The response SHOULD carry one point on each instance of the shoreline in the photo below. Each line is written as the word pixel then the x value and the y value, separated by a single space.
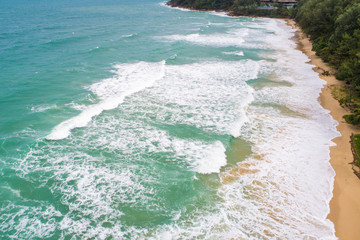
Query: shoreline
pixel 344 205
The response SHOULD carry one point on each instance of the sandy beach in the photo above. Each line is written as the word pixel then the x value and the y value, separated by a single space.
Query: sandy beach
pixel 345 204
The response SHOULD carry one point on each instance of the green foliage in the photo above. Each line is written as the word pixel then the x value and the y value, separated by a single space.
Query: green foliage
pixel 236 7
pixel 356 145
pixel 326 73
pixel 334 28
pixel 352 119
pixel 203 4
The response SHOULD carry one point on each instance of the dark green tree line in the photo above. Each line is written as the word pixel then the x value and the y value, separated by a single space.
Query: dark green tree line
pixel 235 7
pixel 334 28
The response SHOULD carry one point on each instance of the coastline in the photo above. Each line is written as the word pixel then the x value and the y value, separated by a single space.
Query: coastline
pixel 345 205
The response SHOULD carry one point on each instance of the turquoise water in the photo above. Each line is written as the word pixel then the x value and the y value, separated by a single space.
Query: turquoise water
pixel 133 120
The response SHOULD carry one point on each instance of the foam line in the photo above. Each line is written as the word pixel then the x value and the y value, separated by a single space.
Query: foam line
pixel 132 77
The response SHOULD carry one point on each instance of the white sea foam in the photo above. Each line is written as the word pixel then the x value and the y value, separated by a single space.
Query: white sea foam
pixel 215 24
pixel 213 159
pixel 42 108
pixel 286 188
pixel 204 158
pixel 26 222
pixel 79 107
pixel 282 193
pixel 220 14
pixel 208 39
pixel 129 79
pixel 129 35
pixel 239 53
pixel 241 32
pixel 210 95
pixel 26 132
pixel 13 191
pixel 87 188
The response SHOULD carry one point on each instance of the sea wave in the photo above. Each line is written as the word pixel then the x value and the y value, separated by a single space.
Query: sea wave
pixel 129 79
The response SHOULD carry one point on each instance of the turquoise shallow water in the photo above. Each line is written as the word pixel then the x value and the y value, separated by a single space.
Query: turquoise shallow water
pixel 132 120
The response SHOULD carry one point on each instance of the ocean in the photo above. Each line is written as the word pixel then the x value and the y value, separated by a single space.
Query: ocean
pixel 133 120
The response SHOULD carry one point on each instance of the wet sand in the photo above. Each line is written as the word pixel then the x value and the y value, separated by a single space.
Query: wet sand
pixel 345 204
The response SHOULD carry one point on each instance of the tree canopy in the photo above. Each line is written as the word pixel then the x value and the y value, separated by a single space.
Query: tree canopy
pixel 334 28
pixel 235 7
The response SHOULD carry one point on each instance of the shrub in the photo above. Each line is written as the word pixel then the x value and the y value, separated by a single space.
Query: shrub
pixel 352 119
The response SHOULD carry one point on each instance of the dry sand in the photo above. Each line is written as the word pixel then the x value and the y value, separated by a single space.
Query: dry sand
pixel 345 204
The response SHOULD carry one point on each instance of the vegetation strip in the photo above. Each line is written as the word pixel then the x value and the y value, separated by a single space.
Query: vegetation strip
pixel 355 148
pixel 259 8
pixel 334 28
